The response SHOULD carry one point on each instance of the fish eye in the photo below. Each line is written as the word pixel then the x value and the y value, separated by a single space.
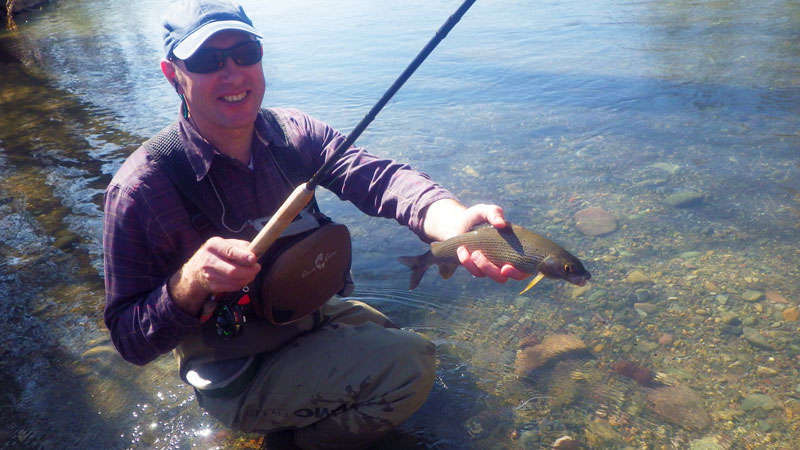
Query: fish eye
pixel 567 268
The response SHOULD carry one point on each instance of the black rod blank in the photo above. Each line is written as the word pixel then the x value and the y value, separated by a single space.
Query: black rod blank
pixel 398 83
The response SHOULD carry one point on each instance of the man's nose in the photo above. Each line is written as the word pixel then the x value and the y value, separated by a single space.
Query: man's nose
pixel 230 68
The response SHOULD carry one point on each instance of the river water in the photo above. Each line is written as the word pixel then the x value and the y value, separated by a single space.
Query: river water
pixel 678 118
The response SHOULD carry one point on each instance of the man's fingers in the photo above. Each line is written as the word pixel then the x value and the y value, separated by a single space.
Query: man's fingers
pixel 233 250
pixel 226 277
pixel 479 265
pixel 494 215
pixel 512 272
pixel 466 260
pixel 487 267
pixel 483 213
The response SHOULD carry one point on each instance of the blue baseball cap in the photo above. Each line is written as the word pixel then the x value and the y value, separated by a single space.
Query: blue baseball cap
pixel 189 23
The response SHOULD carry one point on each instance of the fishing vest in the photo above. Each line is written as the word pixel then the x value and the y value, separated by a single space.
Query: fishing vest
pixel 205 346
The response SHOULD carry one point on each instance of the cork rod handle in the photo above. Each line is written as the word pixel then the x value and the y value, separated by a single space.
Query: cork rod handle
pixel 290 208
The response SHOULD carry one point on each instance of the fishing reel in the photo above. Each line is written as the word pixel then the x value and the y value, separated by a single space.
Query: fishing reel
pixel 231 317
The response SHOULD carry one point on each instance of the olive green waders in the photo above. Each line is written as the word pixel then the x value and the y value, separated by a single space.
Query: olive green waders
pixel 342 385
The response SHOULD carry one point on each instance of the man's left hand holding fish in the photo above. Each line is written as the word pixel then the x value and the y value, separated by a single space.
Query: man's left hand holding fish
pixel 440 226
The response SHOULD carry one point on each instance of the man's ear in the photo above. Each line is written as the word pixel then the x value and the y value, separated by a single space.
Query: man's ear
pixel 168 69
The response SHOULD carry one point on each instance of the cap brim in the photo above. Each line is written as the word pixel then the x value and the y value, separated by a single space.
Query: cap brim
pixel 188 46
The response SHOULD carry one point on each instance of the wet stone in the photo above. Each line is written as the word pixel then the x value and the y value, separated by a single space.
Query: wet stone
pixel 566 443
pixel 706 443
pixel 600 434
pixel 594 221
pixel 668 167
pixel 666 339
pixel 759 404
pixel 766 371
pixel 637 276
pixel 646 308
pixel 791 314
pixel 752 295
pixel 644 346
pixel 596 295
pixel 679 405
pixel 776 297
pixel 684 199
pixel 552 348
pixel 752 336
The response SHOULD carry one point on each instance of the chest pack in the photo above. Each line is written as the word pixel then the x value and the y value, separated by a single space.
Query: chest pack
pixel 304 268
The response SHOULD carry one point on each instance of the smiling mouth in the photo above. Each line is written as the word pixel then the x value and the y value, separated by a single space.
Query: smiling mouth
pixel 235 98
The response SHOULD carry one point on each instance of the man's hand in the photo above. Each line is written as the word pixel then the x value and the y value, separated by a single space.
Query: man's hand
pixel 219 265
pixel 448 218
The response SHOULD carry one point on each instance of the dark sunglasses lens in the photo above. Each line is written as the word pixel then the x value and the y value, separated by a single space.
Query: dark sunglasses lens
pixel 203 61
pixel 247 54
pixel 208 60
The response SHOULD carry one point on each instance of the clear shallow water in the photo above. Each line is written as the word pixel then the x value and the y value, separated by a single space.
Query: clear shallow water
pixel 545 108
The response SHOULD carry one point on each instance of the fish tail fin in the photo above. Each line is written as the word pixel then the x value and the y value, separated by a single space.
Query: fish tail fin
pixel 418 265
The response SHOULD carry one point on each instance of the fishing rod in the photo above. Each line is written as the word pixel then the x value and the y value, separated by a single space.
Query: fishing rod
pixel 302 194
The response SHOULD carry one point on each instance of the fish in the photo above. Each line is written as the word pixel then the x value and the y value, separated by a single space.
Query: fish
pixel 513 244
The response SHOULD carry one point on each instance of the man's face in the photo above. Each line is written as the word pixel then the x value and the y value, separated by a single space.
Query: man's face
pixel 227 99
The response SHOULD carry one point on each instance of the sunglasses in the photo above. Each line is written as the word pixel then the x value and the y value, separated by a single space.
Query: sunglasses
pixel 208 60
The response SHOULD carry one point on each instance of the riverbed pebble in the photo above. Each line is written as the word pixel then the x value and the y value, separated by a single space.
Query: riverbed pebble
pixel 766 371
pixel 636 276
pixel 776 297
pixel 566 443
pixel 759 404
pixel 551 348
pixel 791 314
pixel 684 199
pixel 666 339
pixel 706 443
pixel 753 336
pixel 752 295
pixel 594 221
pixel 679 405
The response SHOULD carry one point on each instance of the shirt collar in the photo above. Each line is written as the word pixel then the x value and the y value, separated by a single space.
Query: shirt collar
pixel 201 152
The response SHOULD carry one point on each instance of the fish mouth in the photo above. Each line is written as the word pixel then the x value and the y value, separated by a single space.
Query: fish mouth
pixel 579 280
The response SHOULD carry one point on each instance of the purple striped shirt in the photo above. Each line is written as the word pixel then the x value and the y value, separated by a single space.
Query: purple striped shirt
pixel 148 233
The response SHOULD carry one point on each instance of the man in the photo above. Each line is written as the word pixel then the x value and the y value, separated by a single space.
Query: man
pixel 340 377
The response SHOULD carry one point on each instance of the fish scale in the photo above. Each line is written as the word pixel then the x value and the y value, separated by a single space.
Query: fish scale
pixel 494 246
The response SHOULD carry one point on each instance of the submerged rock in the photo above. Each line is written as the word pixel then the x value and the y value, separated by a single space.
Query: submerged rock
pixel 679 405
pixel 566 443
pixel 707 443
pixel 553 347
pixel 595 221
pixel 755 338
pixel 759 404
pixel 752 295
pixel 684 199
pixel 791 314
pixel 636 277
pixel 600 434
